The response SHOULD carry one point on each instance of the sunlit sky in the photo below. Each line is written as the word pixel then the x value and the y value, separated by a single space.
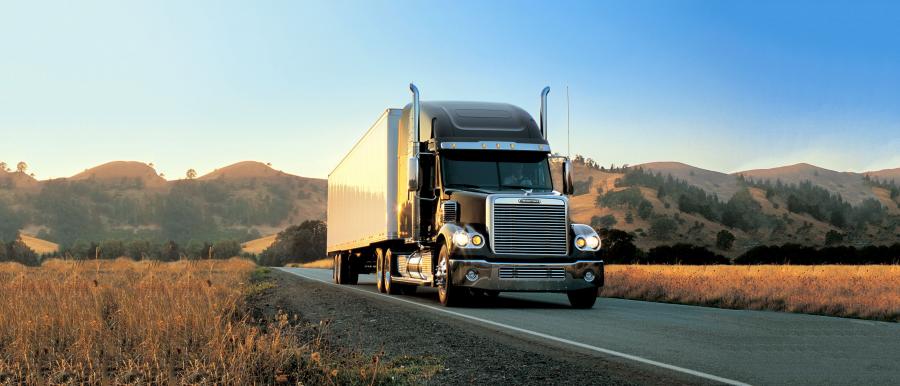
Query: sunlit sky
pixel 726 86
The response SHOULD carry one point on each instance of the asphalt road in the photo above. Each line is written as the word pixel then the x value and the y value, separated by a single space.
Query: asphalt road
pixel 728 346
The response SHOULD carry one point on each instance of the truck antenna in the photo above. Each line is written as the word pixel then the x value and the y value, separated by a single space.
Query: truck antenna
pixel 568 125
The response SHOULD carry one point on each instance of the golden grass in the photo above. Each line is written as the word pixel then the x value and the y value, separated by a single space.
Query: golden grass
pixel 259 245
pixel 121 321
pixel 868 291
pixel 321 263
pixel 39 246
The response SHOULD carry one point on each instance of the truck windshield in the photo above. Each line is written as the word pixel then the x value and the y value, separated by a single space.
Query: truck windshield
pixel 491 170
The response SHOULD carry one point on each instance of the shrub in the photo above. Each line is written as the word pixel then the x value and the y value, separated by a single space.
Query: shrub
pixel 685 254
pixel 662 228
pixel 724 240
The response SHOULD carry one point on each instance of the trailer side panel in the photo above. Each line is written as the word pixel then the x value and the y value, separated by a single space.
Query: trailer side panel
pixel 362 189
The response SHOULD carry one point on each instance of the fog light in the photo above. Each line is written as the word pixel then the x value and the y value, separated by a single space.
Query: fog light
pixel 472 275
pixel 589 276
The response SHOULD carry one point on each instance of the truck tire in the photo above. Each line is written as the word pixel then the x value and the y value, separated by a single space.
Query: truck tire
pixel 335 266
pixel 390 287
pixel 379 269
pixel 344 270
pixel 583 298
pixel 448 294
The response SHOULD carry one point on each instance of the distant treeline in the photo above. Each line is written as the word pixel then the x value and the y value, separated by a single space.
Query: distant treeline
pixel 298 243
pixel 619 248
pixel 191 209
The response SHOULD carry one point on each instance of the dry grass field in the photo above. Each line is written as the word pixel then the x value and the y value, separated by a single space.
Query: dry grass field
pixel 126 322
pixel 867 291
pixel 321 263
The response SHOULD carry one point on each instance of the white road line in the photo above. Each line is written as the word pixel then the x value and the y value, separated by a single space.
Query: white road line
pixel 537 334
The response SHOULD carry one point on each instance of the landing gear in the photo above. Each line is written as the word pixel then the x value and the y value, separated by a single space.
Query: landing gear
pixel 450 295
pixel 583 298
pixel 342 270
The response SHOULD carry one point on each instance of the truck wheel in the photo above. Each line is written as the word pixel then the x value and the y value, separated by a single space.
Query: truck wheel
pixel 351 274
pixel 344 271
pixel 379 270
pixel 449 295
pixel 335 268
pixel 390 287
pixel 583 298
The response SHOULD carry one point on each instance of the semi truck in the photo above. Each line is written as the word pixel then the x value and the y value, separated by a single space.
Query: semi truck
pixel 467 197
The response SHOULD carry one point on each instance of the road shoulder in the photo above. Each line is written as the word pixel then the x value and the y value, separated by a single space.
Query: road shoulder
pixel 469 353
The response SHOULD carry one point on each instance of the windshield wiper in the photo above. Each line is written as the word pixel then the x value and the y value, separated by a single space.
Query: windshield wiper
pixel 524 187
pixel 474 187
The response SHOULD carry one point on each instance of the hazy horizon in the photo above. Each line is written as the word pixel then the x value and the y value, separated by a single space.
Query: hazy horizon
pixel 720 86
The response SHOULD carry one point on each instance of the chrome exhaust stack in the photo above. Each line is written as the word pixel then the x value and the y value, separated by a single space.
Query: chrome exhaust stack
pixel 544 111
pixel 412 169
pixel 414 135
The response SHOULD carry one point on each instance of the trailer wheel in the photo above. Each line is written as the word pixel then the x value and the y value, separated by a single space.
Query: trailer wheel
pixel 350 275
pixel 449 295
pixel 583 298
pixel 379 269
pixel 344 271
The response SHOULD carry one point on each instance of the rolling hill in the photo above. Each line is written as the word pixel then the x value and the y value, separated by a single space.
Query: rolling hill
pixel 246 200
pixel 886 174
pixel 119 172
pixel 754 213
pixel 723 185
pixel 129 200
pixel 850 186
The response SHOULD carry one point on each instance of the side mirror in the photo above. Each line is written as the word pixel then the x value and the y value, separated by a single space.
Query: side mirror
pixel 412 173
pixel 568 186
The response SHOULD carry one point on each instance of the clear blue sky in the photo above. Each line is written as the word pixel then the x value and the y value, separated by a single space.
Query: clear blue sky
pixel 190 84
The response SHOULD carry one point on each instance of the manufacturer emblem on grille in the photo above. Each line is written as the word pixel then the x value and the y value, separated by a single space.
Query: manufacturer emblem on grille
pixel 529 201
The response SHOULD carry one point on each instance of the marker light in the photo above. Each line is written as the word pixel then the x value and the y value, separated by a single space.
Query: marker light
pixel 461 239
pixel 477 240
pixel 580 242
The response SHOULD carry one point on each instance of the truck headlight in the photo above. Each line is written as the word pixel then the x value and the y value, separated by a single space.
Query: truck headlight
pixel 461 239
pixel 593 242
pixel 586 239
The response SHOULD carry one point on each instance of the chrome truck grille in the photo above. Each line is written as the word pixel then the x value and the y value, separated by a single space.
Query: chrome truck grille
pixel 529 226
pixel 519 272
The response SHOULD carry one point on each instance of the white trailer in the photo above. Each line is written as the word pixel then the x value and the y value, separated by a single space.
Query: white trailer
pixel 362 189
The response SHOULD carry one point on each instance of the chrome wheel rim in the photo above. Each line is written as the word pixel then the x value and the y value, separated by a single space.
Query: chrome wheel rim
pixel 441 276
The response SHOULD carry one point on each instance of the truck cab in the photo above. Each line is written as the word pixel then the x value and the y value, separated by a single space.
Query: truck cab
pixel 481 208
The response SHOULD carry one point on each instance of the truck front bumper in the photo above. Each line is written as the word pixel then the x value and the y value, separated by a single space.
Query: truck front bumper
pixel 526 277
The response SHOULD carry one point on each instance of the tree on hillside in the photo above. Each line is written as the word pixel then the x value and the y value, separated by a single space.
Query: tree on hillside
pixel 10 223
pixel 3 166
pixel 618 247
pixel 191 174
pixel 833 238
pixel 662 227
pixel 304 242
pixel 21 167
pixel 603 222
pixel 724 240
